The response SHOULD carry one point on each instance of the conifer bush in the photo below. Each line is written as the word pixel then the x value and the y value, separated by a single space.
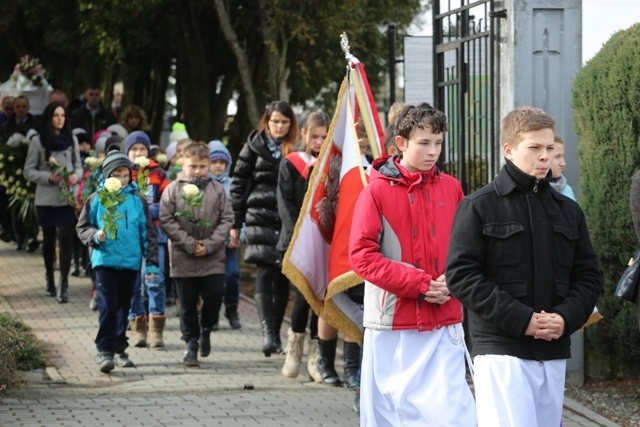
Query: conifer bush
pixel 19 350
pixel 606 102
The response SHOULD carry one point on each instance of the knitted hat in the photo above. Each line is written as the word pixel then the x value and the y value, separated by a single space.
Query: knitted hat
pixel 98 134
pixel 101 143
pixel 81 135
pixel 171 149
pixel 219 155
pixel 113 161
pixel 178 132
pixel 114 142
pixel 118 130
pixel 136 137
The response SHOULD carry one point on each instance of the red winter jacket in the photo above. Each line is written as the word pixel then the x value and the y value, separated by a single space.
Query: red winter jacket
pixel 398 244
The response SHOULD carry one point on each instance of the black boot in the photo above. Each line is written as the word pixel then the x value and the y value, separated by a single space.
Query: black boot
pixel 51 285
pixel 264 303
pixel 191 354
pixel 279 307
pixel 326 362
pixel 205 342
pixel 351 363
pixel 231 313
pixel 64 286
pixel 76 261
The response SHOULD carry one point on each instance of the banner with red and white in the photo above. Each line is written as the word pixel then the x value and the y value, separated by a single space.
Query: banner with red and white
pixel 317 261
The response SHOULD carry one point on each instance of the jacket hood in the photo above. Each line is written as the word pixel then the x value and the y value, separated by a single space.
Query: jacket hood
pixel 217 145
pixel 390 168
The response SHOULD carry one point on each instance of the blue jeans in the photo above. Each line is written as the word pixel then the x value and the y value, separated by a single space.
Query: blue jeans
pixel 114 288
pixel 155 291
pixel 232 278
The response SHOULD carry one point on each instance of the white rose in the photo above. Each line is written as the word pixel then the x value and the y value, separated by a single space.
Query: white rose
pixel 141 161
pixel 53 161
pixel 90 161
pixel 112 184
pixel 162 158
pixel 190 190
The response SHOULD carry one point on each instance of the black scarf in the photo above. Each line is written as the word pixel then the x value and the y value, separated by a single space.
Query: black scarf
pixel 59 142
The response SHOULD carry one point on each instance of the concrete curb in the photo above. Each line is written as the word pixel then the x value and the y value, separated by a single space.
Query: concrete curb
pixel 588 413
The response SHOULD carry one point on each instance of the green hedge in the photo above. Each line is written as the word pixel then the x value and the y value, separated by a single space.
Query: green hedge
pixel 19 350
pixel 606 102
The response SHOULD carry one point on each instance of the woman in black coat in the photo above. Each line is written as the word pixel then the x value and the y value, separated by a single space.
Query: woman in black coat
pixel 253 195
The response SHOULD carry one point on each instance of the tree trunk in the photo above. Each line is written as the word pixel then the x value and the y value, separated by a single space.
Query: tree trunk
pixel 243 63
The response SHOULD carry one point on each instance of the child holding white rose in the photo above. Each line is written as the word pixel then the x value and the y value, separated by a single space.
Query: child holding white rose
pixel 151 180
pixel 115 224
pixel 197 216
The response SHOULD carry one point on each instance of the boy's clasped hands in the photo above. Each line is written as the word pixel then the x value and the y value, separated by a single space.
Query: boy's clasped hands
pixel 545 326
pixel 438 292
pixel 200 249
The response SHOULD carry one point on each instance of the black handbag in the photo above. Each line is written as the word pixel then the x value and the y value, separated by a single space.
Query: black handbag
pixel 627 288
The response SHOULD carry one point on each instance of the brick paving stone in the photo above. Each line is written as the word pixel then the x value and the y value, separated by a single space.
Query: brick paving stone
pixel 160 390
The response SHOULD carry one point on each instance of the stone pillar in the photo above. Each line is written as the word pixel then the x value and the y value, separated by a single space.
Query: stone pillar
pixel 540 53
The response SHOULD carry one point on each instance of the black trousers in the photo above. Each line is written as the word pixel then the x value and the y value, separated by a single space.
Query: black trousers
pixel 300 316
pixel 270 280
pixel 190 290
pixel 65 234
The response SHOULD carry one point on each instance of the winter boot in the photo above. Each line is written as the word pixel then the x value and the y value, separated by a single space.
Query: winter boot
pixel 51 285
pixel 205 343
pixel 326 362
pixel 77 252
pixel 312 359
pixel 156 326
pixel 63 296
pixel 264 303
pixel 231 313
pixel 191 354
pixel 295 345
pixel 139 327
pixel 279 307
pixel 351 363
pixel 106 362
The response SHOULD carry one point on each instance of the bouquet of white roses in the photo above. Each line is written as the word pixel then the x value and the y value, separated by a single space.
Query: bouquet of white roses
pixel 143 174
pixel 111 197
pixel 90 180
pixel 21 191
pixel 66 190
pixel 193 197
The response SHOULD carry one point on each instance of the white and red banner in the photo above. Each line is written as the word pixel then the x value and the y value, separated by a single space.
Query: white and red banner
pixel 317 261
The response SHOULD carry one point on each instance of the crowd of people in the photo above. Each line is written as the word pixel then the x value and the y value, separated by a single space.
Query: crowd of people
pixel 151 226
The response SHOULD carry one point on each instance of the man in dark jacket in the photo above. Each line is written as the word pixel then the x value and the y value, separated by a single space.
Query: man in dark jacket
pixel 521 260
pixel 92 116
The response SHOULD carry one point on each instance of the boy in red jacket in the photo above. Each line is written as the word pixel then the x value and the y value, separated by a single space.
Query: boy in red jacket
pixel 413 370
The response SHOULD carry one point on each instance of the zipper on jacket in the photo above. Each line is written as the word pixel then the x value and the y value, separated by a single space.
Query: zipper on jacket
pixel 535 187
pixel 126 220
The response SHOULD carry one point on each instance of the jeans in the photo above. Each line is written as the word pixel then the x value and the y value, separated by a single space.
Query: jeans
pixel 115 288
pixel 232 278
pixel 154 290
pixel 190 290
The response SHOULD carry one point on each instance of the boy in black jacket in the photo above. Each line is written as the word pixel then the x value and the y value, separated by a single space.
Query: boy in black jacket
pixel 520 259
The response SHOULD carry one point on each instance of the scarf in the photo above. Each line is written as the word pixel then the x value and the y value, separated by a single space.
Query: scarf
pixel 558 184
pixel 59 142
pixel 274 147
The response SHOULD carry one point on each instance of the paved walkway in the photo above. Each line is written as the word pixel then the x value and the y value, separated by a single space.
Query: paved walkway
pixel 235 386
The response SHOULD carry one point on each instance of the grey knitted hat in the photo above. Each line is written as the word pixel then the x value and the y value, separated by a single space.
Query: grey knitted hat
pixel 113 161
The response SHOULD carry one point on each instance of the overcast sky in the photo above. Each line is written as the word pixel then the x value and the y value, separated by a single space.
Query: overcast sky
pixel 600 20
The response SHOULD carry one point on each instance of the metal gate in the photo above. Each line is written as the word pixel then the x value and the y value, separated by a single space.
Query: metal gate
pixel 465 88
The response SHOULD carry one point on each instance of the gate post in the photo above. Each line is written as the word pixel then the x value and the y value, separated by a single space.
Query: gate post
pixel 540 53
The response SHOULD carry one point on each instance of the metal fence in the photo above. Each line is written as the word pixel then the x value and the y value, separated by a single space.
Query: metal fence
pixel 465 88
